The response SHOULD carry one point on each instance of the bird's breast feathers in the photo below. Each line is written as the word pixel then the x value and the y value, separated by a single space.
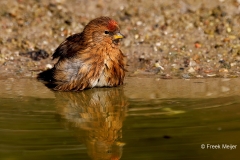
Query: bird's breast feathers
pixel 110 73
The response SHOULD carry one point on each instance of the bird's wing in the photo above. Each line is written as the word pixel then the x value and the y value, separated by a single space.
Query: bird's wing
pixel 69 47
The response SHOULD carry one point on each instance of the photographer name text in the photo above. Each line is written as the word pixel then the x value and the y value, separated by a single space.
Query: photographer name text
pixel 219 146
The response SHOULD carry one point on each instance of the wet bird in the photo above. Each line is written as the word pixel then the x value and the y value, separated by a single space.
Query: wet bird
pixel 88 59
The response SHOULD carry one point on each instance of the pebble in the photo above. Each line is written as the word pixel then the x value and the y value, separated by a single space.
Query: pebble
pixel 158 44
pixel 223 70
pixel 199 76
pixel 185 76
pixel 49 66
pixel 139 23
pixel 157 65
pixel 211 75
pixel 191 70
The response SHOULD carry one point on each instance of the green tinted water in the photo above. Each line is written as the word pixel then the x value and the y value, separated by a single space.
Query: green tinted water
pixel 145 119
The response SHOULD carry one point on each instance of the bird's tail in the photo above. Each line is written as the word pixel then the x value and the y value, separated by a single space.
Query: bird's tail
pixel 46 76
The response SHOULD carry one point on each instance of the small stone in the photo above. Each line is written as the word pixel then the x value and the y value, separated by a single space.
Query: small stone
pixel 207 71
pixel 229 29
pixel 233 64
pixel 158 44
pixel 127 42
pixel 198 45
pixel 238 58
pixel 199 76
pixel 191 70
pixel 211 75
pixel 155 49
pixel 192 63
pixel 49 66
pixel 185 76
pixel 36 55
pixel 232 36
pixel 139 23
pixel 223 70
pixel 157 65
pixel 136 36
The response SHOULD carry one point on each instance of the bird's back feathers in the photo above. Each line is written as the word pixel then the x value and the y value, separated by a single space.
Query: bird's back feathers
pixel 70 46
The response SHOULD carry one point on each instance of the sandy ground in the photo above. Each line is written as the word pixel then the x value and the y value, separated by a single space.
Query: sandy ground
pixel 166 39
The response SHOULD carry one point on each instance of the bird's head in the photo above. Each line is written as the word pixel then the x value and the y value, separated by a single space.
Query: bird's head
pixel 103 29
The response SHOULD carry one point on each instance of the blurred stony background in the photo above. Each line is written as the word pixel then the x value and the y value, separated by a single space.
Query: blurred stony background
pixel 166 39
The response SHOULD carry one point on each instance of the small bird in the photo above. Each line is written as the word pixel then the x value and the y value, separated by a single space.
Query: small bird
pixel 88 59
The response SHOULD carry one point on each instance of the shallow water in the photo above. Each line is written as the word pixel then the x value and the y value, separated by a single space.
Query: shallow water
pixel 147 119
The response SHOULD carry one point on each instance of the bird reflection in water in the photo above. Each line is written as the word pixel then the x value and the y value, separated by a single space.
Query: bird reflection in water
pixel 97 116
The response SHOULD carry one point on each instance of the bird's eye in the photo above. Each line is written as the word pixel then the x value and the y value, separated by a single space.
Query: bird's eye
pixel 106 32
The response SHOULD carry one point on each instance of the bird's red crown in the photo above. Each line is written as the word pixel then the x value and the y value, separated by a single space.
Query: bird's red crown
pixel 112 25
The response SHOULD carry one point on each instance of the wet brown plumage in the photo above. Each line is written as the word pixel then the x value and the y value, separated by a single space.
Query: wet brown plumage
pixel 88 59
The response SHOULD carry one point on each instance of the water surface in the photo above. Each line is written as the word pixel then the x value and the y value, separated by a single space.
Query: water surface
pixel 147 118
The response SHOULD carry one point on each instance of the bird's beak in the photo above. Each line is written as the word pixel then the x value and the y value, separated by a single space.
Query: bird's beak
pixel 118 35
